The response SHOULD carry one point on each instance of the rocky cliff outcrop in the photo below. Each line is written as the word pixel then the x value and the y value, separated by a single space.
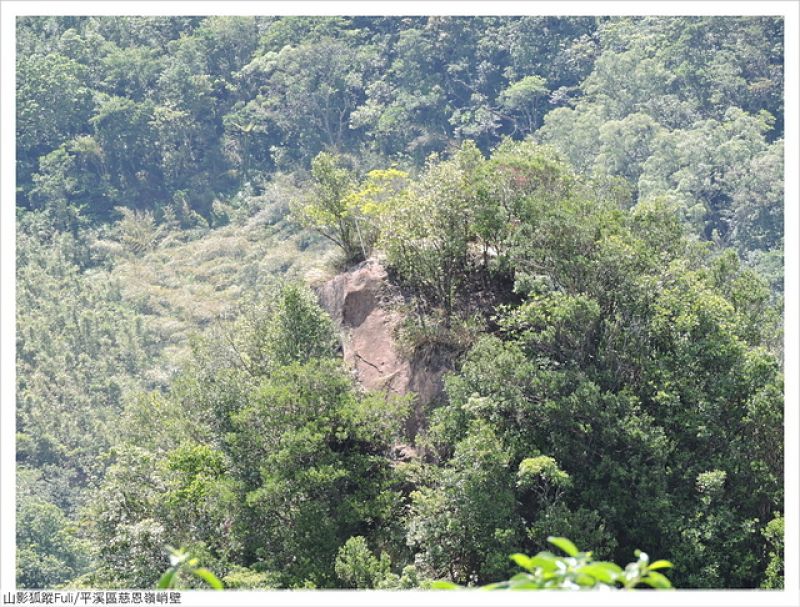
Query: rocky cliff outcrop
pixel 365 306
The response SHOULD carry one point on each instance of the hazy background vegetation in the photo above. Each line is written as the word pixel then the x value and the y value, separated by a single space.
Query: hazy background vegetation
pixel 597 240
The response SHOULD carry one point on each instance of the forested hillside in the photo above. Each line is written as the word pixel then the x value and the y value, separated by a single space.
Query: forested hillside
pixel 584 217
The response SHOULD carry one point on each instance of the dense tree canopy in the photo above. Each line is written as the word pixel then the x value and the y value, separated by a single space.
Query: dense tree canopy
pixel 584 213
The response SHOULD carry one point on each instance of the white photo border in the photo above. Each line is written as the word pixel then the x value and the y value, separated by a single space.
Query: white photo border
pixel 789 9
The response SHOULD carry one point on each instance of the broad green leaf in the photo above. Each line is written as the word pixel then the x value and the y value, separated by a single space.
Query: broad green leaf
pixel 444 585
pixel 166 579
pixel 565 545
pixel 660 564
pixel 609 565
pixel 545 561
pixel 208 577
pixel 523 561
pixel 584 580
pixel 656 580
pixel 600 573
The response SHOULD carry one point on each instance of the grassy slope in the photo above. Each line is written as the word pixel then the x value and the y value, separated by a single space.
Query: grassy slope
pixel 182 286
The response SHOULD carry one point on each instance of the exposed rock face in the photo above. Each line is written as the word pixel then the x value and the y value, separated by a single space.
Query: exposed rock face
pixel 361 302
pixel 358 303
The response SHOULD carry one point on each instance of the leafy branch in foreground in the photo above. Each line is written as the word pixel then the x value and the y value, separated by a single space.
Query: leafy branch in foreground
pixel 182 561
pixel 576 571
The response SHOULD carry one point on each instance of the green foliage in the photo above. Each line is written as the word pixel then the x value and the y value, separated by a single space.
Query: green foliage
pixel 314 86
pixel 714 536
pixel 523 97
pixel 298 329
pixel 774 534
pixel 53 103
pixel 48 551
pixel 67 187
pixel 585 214
pixel 318 452
pixel 137 231
pixel 328 211
pixel 543 473
pixel 626 144
pixel 357 567
pixel 182 563
pixel 122 129
pixel 80 347
pixel 614 335
pixel 246 579
pixel 757 202
pixel 580 522
pixel 428 229
pixel 346 212
pixel 199 499
pixel 197 102
pixel 297 446
pixel 579 570
pixel 465 524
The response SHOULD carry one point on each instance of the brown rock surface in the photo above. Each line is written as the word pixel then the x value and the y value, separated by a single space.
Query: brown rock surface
pixel 360 302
